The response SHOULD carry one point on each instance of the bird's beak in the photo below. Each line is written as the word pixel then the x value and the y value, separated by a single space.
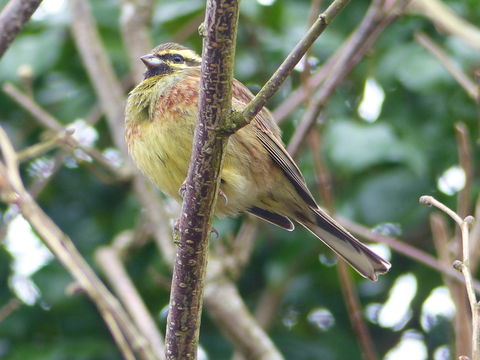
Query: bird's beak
pixel 151 61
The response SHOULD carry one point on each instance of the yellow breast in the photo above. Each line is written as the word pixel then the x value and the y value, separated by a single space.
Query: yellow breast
pixel 160 124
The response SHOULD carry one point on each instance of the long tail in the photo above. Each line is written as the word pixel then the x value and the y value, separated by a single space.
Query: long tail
pixel 361 258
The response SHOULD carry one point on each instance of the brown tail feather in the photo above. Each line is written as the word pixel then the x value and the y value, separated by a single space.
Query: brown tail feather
pixel 344 244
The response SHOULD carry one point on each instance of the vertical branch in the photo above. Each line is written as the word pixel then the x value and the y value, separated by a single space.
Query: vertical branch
pixel 202 182
pixel 462 327
pixel 13 18
pixel 465 159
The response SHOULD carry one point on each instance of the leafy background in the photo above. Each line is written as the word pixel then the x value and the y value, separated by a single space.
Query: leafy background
pixel 379 169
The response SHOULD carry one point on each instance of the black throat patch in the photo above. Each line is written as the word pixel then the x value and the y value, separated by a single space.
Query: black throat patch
pixel 160 69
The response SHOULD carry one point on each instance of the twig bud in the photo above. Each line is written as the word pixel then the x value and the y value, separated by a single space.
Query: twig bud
pixel 457 265
pixel 469 219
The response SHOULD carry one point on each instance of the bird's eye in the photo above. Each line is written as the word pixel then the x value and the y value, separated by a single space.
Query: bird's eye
pixel 178 59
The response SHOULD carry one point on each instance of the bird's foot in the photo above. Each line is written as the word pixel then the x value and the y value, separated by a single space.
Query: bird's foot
pixel 182 189
pixel 215 232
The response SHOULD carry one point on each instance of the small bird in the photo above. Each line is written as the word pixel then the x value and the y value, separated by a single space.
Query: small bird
pixel 258 175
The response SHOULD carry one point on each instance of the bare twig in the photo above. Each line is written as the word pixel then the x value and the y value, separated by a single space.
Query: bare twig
pixel 355 312
pixel 13 18
pixel 52 124
pixel 465 159
pixel 227 309
pixel 100 70
pixel 464 267
pixel 41 148
pixel 125 334
pixel 34 109
pixel 475 239
pixel 405 249
pixel 202 181
pixel 241 248
pixel 157 216
pixel 462 326
pixel 189 28
pixel 467 84
pixel 447 20
pixel 277 79
pixel 9 308
pixel 350 296
pixel 337 73
pixel 112 267
pixel 135 25
pixel 300 95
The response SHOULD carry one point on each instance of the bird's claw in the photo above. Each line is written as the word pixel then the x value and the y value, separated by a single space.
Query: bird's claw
pixel 215 232
pixel 222 194
pixel 182 189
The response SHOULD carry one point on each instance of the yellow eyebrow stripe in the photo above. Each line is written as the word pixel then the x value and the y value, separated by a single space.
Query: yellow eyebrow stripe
pixel 187 54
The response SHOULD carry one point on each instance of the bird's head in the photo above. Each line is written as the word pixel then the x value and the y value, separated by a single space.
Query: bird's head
pixel 169 58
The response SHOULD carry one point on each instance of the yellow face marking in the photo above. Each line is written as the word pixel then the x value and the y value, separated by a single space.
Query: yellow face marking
pixel 186 54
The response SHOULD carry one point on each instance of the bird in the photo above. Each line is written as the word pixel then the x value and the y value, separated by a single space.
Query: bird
pixel 258 175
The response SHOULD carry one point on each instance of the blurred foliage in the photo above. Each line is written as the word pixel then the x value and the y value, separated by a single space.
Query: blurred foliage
pixel 379 171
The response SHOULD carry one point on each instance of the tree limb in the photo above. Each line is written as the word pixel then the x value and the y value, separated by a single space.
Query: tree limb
pixel 13 18
pixel 202 182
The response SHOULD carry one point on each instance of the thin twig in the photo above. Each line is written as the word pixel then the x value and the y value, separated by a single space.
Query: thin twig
pixel 41 148
pixel 350 296
pixel 135 25
pixel 464 267
pixel 465 82
pixel 125 334
pixel 111 265
pixel 337 73
pixel 405 249
pixel 13 18
pixel 475 238
pixel 465 159
pixel 100 70
pixel 462 326
pixel 446 19
pixel 277 79
pixel 227 309
pixel 431 201
pixel 241 248
pixel 51 123
pixel 188 29
pixel 9 308
pixel 355 312
pixel 33 108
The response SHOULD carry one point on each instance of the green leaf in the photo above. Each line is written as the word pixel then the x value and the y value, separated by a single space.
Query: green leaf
pixel 413 67
pixel 390 196
pixel 354 147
